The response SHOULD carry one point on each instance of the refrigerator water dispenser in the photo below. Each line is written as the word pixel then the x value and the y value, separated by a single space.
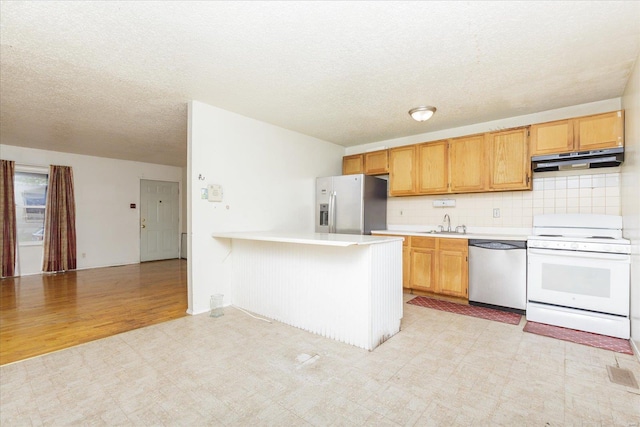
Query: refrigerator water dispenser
pixel 324 214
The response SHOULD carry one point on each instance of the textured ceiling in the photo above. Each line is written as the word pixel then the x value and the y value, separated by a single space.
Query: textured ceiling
pixel 113 78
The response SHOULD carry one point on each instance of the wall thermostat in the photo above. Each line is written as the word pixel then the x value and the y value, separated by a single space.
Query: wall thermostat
pixel 214 193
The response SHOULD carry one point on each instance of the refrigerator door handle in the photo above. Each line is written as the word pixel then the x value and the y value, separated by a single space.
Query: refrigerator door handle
pixel 332 212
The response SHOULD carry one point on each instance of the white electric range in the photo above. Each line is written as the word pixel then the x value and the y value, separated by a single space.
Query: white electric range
pixel 578 273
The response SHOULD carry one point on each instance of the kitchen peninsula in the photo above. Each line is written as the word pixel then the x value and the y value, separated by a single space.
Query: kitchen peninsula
pixel 341 286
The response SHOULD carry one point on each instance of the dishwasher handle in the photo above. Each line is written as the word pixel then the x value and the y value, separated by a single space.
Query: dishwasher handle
pixel 498 245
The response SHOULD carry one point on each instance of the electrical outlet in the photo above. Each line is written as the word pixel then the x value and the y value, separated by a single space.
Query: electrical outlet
pixel 496 212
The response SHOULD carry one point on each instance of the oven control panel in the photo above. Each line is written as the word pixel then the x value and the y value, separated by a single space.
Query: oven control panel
pixel 579 246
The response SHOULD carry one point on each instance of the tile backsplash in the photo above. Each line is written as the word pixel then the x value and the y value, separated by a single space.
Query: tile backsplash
pixel 597 193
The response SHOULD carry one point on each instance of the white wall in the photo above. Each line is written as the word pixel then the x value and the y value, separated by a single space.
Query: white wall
pixel 107 230
pixel 268 176
pixel 630 191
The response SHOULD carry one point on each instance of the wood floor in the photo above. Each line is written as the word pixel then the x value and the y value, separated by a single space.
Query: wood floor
pixel 43 313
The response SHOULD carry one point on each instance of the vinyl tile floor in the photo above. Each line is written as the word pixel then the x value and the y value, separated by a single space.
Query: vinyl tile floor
pixel 441 369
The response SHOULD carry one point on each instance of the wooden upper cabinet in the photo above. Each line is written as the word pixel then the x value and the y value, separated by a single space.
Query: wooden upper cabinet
pixel 467 164
pixel 433 167
pixel 599 131
pixel 496 161
pixel 509 162
pixel 552 137
pixel 376 162
pixel 353 164
pixel 373 163
pixel 581 133
pixel 402 165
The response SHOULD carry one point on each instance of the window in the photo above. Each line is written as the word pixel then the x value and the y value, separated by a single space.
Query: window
pixel 30 186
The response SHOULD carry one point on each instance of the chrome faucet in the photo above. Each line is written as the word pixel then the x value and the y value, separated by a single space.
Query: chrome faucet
pixel 463 227
pixel 447 219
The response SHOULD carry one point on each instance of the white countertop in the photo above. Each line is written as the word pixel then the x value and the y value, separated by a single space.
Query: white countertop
pixel 480 233
pixel 323 239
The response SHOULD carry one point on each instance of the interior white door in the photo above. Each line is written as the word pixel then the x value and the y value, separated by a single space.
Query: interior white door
pixel 159 220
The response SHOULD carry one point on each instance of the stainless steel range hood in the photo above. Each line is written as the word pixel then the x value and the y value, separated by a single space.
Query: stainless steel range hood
pixel 609 157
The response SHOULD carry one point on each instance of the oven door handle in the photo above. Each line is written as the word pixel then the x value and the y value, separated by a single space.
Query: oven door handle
pixel 580 254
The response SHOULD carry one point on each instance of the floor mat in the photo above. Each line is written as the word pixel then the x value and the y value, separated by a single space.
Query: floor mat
pixel 467 310
pixel 618 345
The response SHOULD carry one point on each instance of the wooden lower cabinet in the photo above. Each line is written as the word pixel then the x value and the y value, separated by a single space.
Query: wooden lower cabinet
pixel 440 266
pixel 453 268
pixel 435 265
pixel 423 264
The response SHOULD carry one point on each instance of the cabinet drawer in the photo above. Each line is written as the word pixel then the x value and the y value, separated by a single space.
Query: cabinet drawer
pixel 423 242
pixel 461 245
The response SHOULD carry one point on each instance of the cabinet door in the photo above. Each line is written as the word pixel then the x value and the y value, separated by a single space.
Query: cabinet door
pixel 423 270
pixel 433 167
pixel 376 162
pixel 423 263
pixel 467 164
pixel 599 131
pixel 353 164
pixel 509 161
pixel 453 268
pixel 552 137
pixel 402 165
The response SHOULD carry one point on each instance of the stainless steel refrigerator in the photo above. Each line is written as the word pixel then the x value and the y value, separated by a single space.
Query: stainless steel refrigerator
pixel 351 204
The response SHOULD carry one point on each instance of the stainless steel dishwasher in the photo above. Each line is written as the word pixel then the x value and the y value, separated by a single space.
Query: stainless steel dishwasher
pixel 498 274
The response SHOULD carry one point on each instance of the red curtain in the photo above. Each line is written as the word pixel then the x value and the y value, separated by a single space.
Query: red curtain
pixel 60 222
pixel 8 211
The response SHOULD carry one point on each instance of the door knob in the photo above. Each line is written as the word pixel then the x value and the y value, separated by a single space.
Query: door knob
pixel 143 226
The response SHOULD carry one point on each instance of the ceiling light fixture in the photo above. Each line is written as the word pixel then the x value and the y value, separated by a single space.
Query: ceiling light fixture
pixel 422 113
